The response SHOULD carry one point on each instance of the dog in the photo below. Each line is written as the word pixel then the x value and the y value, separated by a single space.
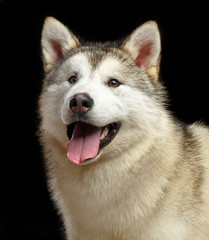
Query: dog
pixel 119 165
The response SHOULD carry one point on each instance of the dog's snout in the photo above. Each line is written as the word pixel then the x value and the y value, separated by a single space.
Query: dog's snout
pixel 81 103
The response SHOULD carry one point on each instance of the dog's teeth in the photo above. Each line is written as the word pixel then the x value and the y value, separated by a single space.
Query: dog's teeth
pixel 104 133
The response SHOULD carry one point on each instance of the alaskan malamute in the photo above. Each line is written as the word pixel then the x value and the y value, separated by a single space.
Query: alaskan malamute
pixel 120 167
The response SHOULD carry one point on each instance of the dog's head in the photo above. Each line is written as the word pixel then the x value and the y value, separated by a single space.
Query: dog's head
pixel 99 98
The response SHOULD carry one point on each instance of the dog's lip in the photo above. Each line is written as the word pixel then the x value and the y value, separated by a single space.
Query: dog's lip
pixel 70 128
pixel 112 128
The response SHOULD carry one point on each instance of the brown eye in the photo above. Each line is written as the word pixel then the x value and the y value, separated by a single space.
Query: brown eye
pixel 113 83
pixel 72 79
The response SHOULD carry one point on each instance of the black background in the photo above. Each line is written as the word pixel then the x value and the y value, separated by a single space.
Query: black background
pixel 25 209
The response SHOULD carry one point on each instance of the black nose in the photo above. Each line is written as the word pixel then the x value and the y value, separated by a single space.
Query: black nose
pixel 81 103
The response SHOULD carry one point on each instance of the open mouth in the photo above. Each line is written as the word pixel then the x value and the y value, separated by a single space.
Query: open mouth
pixel 85 140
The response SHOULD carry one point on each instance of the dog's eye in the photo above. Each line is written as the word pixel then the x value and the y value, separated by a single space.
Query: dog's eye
pixel 114 83
pixel 72 79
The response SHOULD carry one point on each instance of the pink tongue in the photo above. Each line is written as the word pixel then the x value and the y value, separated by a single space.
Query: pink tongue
pixel 84 143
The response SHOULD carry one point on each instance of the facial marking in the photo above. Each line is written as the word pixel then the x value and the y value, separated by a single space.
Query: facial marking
pixel 80 65
pixel 109 68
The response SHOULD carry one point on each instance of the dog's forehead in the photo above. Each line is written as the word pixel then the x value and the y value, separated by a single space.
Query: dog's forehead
pixel 95 61
pixel 108 67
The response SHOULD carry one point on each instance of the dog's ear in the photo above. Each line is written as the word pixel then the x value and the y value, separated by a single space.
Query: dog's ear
pixel 144 46
pixel 56 41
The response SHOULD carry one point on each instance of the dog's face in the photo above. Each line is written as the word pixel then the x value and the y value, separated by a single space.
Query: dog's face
pixel 99 100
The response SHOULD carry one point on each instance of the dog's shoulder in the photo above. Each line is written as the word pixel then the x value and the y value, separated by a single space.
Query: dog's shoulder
pixel 200 133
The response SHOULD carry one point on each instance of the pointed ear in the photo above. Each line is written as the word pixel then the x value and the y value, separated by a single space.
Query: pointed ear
pixel 56 41
pixel 144 46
